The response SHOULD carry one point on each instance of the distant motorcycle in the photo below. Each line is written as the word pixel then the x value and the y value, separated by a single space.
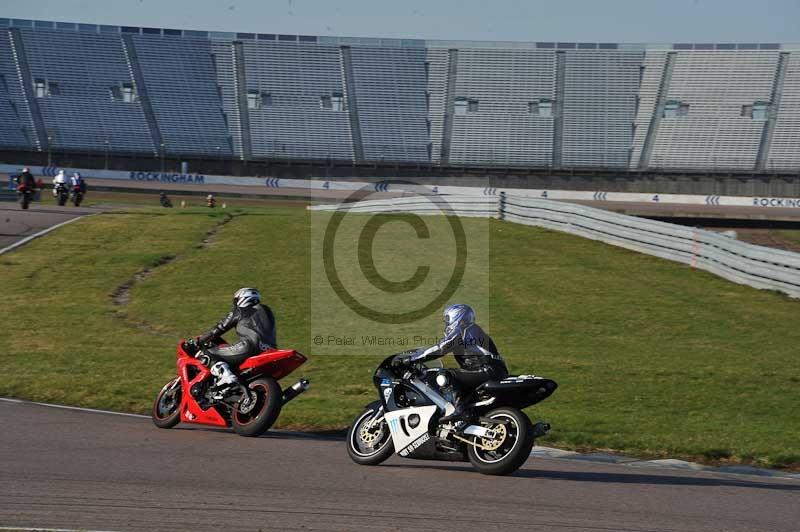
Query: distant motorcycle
pixel 25 195
pixel 61 193
pixel 165 201
pixel 77 195
pixel 496 437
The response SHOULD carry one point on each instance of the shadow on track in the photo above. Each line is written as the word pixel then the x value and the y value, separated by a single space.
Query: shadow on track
pixel 332 435
pixel 620 478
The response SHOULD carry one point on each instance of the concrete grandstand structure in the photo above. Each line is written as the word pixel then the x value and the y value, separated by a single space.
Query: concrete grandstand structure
pixel 243 96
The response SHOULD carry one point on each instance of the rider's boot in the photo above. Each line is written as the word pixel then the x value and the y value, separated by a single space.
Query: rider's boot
pixel 457 414
pixel 224 375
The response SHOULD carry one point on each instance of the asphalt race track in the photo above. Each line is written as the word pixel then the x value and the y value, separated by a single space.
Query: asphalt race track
pixel 67 469
pixel 16 224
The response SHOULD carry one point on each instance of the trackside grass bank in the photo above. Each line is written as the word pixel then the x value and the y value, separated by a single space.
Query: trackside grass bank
pixel 652 358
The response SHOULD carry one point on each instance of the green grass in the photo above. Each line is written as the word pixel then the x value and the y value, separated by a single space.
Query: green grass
pixel 652 358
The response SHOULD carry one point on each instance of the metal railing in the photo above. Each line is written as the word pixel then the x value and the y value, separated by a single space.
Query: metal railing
pixel 748 264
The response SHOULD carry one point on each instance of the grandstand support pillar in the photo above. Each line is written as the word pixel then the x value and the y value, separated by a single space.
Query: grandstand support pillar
pixel 450 105
pixel 658 111
pixel 558 107
pixel 772 114
pixel 24 72
pixel 137 77
pixel 240 84
pixel 352 104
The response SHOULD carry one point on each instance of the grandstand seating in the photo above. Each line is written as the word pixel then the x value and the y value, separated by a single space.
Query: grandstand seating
pixel 499 85
pixel 785 148
pixel 390 91
pixel 291 121
pixel 78 70
pixel 180 78
pixel 599 107
pixel 17 128
pixel 151 91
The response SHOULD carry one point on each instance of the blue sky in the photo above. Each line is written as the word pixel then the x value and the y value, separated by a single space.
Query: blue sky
pixel 514 20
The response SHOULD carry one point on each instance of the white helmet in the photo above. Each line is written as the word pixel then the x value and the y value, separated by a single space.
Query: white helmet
pixel 246 297
pixel 457 317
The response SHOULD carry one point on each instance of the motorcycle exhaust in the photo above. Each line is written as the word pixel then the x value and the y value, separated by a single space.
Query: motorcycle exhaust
pixel 540 429
pixel 295 389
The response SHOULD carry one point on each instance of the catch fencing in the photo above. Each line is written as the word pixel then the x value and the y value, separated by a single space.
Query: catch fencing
pixel 756 266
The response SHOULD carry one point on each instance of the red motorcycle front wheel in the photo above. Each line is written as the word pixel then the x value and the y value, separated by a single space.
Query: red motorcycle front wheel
pixel 167 406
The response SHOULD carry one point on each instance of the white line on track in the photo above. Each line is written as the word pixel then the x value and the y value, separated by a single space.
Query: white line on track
pixel 79 409
pixel 40 529
pixel 43 232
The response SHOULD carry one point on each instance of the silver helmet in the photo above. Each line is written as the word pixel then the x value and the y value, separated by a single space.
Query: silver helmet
pixel 246 297
pixel 457 317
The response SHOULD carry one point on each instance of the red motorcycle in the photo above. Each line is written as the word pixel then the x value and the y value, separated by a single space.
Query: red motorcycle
pixel 77 194
pixel 251 407
pixel 25 195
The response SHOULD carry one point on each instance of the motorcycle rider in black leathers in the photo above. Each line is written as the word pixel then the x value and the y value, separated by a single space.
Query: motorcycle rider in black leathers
pixel 255 325
pixel 26 178
pixel 474 350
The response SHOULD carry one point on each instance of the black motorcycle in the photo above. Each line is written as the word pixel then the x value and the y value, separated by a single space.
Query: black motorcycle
pixel 494 435
pixel 61 193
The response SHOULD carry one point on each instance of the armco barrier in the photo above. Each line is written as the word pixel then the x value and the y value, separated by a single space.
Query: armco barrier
pixel 743 263
pixel 156 179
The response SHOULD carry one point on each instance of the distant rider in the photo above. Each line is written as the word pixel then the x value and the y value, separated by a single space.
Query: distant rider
pixel 474 350
pixel 164 200
pixel 26 178
pixel 255 325
pixel 76 181
pixel 59 179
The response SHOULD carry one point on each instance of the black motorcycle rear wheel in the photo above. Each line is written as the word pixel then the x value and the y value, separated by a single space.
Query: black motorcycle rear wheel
pixel 258 420
pixel 508 452
pixel 369 445
pixel 167 406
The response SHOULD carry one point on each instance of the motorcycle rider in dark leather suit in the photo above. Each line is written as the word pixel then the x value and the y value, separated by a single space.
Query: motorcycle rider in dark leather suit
pixel 255 325
pixel 474 350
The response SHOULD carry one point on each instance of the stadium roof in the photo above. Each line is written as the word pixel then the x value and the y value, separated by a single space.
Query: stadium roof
pixel 374 41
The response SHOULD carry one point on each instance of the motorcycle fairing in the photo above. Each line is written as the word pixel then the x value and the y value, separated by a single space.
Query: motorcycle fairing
pixel 519 391
pixel 190 409
pixel 409 428
pixel 281 362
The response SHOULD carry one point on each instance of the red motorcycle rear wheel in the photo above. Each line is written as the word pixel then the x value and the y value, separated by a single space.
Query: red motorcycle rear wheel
pixel 269 400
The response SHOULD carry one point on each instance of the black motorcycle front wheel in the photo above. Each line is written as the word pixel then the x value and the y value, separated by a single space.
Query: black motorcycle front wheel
pixel 369 441
pixel 509 447
pixel 167 406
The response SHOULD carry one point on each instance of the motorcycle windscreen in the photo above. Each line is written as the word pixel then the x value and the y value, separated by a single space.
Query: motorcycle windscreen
pixel 409 428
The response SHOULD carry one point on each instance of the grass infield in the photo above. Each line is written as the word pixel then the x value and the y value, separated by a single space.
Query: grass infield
pixel 652 358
